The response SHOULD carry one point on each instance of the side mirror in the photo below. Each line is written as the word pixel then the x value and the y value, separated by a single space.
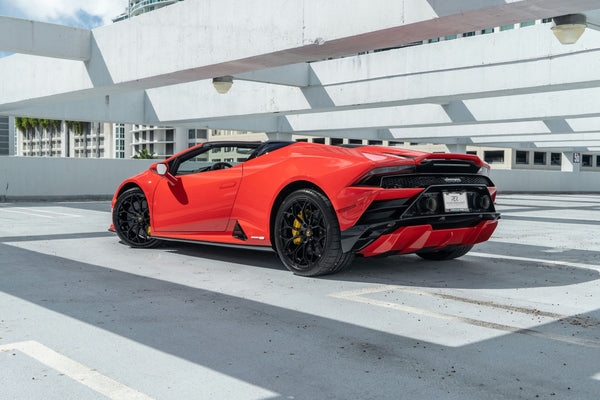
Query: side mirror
pixel 162 169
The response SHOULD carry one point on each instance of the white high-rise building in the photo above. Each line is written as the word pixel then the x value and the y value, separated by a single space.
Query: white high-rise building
pixel 53 138
pixel 137 7
pixel 7 146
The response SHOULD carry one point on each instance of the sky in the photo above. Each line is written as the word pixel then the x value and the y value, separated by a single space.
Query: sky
pixel 79 13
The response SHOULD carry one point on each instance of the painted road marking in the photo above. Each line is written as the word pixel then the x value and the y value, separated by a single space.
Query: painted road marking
pixel 357 296
pixel 40 210
pixel 535 260
pixel 79 372
pixel 26 213
pixel 33 211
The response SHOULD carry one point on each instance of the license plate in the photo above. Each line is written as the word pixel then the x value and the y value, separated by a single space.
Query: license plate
pixel 455 202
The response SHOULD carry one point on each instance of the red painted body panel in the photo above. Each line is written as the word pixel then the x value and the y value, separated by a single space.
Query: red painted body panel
pixel 206 206
pixel 413 238
pixel 196 203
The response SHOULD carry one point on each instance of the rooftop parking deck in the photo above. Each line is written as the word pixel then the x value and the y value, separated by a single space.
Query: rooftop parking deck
pixel 85 317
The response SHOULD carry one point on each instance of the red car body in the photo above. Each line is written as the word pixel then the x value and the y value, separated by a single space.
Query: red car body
pixel 238 205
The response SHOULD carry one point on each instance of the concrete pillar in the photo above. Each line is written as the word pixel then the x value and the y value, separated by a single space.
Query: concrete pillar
pixel 457 148
pixel 181 139
pixel 128 135
pixel 279 136
pixel 64 140
pixel 12 142
pixel 571 162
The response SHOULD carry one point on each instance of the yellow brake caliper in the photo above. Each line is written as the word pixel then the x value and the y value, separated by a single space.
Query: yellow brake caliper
pixel 297 225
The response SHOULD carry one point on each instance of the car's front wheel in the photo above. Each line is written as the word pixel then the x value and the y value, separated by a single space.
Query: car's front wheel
pixel 307 235
pixel 131 219
pixel 445 254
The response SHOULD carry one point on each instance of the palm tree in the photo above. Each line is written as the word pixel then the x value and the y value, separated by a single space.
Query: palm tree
pixel 144 154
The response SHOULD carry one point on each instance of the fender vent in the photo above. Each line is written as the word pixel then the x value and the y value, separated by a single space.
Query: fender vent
pixel 238 232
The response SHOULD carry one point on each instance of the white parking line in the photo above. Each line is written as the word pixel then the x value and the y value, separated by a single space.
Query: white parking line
pixel 40 210
pixel 26 213
pixel 84 375
pixel 356 295
pixel 535 260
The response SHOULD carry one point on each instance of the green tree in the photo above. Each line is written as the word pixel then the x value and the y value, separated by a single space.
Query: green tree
pixel 144 154
pixel 77 126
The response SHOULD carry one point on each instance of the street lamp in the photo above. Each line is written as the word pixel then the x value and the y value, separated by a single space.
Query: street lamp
pixel 223 83
pixel 569 28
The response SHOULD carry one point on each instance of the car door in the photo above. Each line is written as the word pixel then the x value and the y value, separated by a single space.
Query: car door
pixel 202 198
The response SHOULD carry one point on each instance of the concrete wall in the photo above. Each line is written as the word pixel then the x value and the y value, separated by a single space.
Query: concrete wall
pixel 535 181
pixel 45 178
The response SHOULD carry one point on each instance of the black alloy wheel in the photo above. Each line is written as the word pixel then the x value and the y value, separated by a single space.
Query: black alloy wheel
pixel 445 254
pixel 307 235
pixel 131 219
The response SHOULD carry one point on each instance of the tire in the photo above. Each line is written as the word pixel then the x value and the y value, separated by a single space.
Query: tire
pixel 448 254
pixel 307 235
pixel 131 219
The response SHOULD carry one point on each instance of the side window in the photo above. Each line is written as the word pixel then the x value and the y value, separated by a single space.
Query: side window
pixel 218 157
pixel 199 163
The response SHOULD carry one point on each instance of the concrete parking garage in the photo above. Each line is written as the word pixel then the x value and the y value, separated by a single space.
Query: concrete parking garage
pixel 83 316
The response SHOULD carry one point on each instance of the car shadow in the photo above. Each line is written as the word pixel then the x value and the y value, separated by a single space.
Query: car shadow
pixel 292 353
pixel 257 258
pixel 468 272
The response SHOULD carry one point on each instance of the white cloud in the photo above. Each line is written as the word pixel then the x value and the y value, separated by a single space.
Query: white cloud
pixel 70 11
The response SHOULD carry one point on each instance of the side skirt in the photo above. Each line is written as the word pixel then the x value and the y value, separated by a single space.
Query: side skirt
pixel 230 245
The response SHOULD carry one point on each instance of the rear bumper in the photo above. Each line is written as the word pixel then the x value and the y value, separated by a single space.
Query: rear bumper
pixel 409 239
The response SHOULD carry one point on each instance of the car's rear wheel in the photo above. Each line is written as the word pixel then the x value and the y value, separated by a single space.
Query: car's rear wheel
pixel 131 219
pixel 445 254
pixel 307 235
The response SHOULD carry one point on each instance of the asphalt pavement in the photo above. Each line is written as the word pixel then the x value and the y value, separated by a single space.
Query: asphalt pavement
pixel 83 316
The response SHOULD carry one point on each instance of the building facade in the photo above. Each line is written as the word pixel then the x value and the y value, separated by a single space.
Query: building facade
pixel 137 7
pixel 65 139
pixel 7 146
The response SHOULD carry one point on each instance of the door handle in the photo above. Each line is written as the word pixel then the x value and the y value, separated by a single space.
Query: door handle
pixel 227 185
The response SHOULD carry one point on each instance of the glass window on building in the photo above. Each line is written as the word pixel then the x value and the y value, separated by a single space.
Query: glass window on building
pixel 528 23
pixel 488 30
pixel 170 135
pixel 468 34
pixel 302 140
pixel 375 142
pixel 191 134
pixel 546 20
pixel 393 144
pixel 586 160
pixel 319 140
pixel 507 27
pixel 555 159
pixel 355 141
pixel 522 157
pixel 202 134
pixel 336 141
pixel 169 149
pixel 472 152
pixel 539 158
pixel 434 40
pixel 597 161
pixel 493 156
pixel 450 37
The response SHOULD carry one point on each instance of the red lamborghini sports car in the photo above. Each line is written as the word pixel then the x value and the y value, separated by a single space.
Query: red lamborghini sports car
pixel 316 205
